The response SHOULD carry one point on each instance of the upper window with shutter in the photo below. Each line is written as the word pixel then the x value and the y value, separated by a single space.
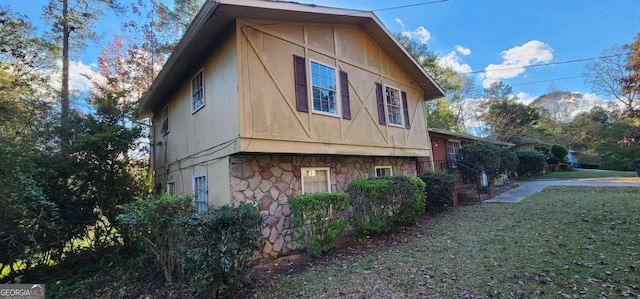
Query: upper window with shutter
pixel 329 88
pixel 394 106
pixel 323 88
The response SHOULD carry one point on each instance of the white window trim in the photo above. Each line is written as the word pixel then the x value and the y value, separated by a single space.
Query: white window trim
pixel 193 189
pixel 201 71
pixel 166 108
pixel 338 97
pixel 174 187
pixel 383 167
pixel 302 169
pixel 386 106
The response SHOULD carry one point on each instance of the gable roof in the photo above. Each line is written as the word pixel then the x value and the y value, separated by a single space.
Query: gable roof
pixel 217 15
pixel 470 137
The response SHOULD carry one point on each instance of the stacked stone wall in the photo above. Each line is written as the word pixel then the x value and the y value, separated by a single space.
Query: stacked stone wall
pixel 270 180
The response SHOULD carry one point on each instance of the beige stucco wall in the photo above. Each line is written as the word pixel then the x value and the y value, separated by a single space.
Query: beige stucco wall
pixel 269 120
pixel 200 138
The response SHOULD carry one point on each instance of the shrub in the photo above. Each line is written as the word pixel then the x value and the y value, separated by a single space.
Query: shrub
pixel 439 189
pixel 565 167
pixel 218 248
pixel 156 223
pixel 588 166
pixel 317 221
pixel 531 162
pixel 482 156
pixel 559 151
pixel 508 161
pixel 381 203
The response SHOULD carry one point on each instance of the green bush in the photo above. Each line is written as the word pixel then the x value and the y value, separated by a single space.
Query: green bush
pixel 317 220
pixel 559 151
pixel 565 167
pixel 218 248
pixel 439 189
pixel 379 204
pixel 482 156
pixel 531 162
pixel 508 161
pixel 588 166
pixel 212 250
pixel 156 223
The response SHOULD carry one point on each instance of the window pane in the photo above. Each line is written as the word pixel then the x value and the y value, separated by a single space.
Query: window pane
pixel 315 180
pixel 323 83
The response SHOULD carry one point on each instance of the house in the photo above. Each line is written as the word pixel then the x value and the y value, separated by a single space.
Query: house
pixel 264 100
pixel 445 145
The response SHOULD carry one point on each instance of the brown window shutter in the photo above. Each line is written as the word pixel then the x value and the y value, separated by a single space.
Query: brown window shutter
pixel 300 76
pixel 381 117
pixel 405 108
pixel 344 92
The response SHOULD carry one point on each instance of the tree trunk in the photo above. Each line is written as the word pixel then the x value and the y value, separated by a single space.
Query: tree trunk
pixel 64 92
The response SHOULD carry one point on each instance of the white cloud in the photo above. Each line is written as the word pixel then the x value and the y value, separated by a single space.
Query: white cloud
pixel 81 76
pixel 462 50
pixel 422 34
pixel 525 98
pixel 399 21
pixel 452 61
pixel 515 59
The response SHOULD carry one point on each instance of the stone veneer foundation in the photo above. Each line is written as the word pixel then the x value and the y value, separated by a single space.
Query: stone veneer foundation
pixel 270 180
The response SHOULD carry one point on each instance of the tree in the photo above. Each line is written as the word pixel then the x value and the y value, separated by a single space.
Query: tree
pixel 557 104
pixel 509 120
pixel 606 76
pixel 72 26
pixel 451 111
pixel 631 80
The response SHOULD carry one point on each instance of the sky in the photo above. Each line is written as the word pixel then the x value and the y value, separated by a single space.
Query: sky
pixel 488 39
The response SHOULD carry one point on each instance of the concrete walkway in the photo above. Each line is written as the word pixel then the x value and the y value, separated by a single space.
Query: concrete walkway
pixel 530 187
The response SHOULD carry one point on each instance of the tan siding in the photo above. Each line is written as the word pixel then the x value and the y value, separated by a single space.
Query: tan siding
pixel 268 100
pixel 211 132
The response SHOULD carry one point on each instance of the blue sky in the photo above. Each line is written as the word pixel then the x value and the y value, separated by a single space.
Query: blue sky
pixel 473 35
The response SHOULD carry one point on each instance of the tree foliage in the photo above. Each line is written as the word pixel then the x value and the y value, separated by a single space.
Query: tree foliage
pixel 510 120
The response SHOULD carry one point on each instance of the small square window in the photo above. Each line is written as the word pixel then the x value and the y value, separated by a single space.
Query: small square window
pixel 200 193
pixel 171 188
pixel 384 171
pixel 197 92
pixel 315 179
pixel 394 106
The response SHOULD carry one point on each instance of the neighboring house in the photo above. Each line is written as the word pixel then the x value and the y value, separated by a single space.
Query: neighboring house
pixel 446 144
pixel 528 143
pixel 264 100
pixel 572 156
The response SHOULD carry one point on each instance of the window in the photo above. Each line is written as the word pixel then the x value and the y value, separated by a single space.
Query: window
pixel 200 193
pixel 197 92
pixel 453 147
pixel 383 171
pixel 394 106
pixel 165 121
pixel 323 82
pixel 315 180
pixel 171 188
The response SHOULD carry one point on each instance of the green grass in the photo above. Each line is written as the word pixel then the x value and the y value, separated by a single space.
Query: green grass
pixel 588 173
pixel 561 242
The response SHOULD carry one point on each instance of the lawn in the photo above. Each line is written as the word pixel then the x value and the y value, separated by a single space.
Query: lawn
pixel 588 173
pixel 562 242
